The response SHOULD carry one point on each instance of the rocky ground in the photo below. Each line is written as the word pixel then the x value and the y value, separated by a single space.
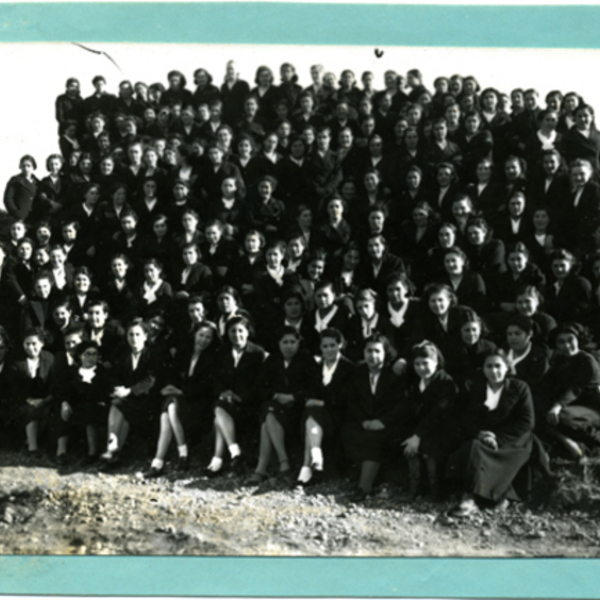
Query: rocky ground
pixel 74 511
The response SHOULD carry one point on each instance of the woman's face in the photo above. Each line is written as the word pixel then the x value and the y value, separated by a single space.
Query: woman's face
pixel 413 180
pixel 25 251
pixel 89 358
pixel 43 234
pixel 376 248
pixel 420 217
pixel 550 164
pixel 495 369
pixel 335 210
pixel 119 268
pixel 213 234
pixel 512 170
pixel 252 244
pixel 274 257
pixel 400 129
pixel 85 166
pixel 324 298
pixel 567 344
pixel 288 346
pixel 92 196
pixel 238 335
pixel 82 284
pixel 446 237
pixel 160 228
pixel 265 190
pixel 439 303
pixel 203 338
pixel 440 132
pixel 454 264
pixel 151 158
pixel 371 182
pixel 107 166
pixel 580 176
pixel 292 308
pixel 561 267
pixel 195 312
pixel 425 366
pixel 376 146
pixel 453 114
pixel 489 102
pixel 264 78
pixel 366 308
pixel 330 349
pixel 461 209
pixel 17 230
pixel 190 223
pixel 472 124
pixel 484 172
pixel 583 119
pixel 541 220
pixel 128 224
pixel 33 346
pixel 444 176
pixel 476 235
pixel 550 121
pixel 57 258
pixel 397 293
pixel 119 197
pixel 516 206
pixel 517 339
pixel 136 338
pixel 150 189
pixel 244 148
pixel 348 191
pixel 190 256
pixel 517 261
pixel 152 273
pixel 295 248
pixel 250 108
pixel 470 332
pixel 54 166
pixel 308 135
pixel 351 260
pixel 376 222
pixel 527 305
pixel 227 303
pixel 270 143
pixel 297 149
pixel 224 137
pixel 374 354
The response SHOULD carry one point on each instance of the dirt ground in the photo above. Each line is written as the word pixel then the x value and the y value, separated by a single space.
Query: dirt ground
pixel 74 511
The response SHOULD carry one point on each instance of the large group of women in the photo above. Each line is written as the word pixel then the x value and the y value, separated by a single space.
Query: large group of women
pixel 347 273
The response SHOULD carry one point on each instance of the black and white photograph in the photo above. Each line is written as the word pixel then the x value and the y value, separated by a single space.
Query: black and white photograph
pixel 299 301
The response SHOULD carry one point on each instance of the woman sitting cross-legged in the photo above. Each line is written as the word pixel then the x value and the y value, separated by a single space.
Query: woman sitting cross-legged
pixel 287 379
pixel 323 415
pixel 569 400
pixel 374 410
pixel 185 402
pixel 497 425
pixel 431 398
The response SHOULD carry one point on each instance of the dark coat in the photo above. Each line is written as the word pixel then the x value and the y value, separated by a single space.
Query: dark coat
pixel 19 195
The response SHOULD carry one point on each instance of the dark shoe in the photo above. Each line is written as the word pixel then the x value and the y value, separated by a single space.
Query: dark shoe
pixel 237 464
pixel 153 473
pixel 359 495
pixel 211 474
pixel 183 463
pixel 108 465
pixel 90 459
pixel 287 477
pixel 257 478
pixel 61 460
pixel 34 454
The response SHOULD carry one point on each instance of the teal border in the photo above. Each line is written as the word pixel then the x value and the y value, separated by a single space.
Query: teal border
pixel 369 25
pixel 301 577
pixel 295 23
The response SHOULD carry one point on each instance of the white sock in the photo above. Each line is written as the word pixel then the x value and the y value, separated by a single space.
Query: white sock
pixel 182 450
pixel 317 459
pixel 107 455
pixel 113 443
pixel 305 474
pixel 234 450
pixel 157 463
pixel 215 464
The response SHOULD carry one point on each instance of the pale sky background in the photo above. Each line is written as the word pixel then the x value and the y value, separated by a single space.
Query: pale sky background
pixel 35 73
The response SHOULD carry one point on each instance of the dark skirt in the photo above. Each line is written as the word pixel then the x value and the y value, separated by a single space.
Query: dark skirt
pixel 137 409
pixel 329 421
pixel 287 415
pixel 83 415
pixel 193 415
pixel 362 444
pixel 26 413
pixel 488 473
pixel 580 423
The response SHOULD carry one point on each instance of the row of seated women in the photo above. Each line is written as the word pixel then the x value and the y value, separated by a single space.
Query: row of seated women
pixel 451 417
